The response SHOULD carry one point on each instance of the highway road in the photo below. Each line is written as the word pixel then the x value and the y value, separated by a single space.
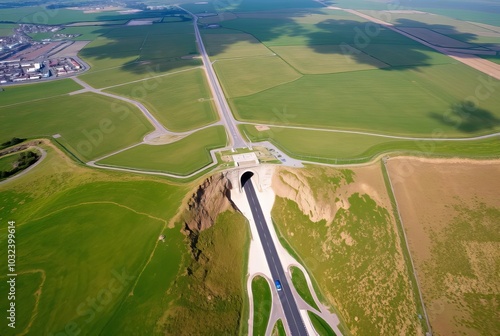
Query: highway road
pixel 295 323
pixel 235 137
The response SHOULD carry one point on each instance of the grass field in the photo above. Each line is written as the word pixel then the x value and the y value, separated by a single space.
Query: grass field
pixel 262 303
pixel 87 239
pixel 453 239
pixel 247 76
pixel 279 329
pixel 137 52
pixel 332 147
pixel 91 125
pixel 42 15
pixel 7 161
pixel 212 290
pixel 31 92
pixel 327 59
pixel 64 205
pixel 232 44
pixel 371 101
pixel 321 327
pixel 180 101
pixel 300 284
pixel 6 29
pixel 193 150
pixel 351 247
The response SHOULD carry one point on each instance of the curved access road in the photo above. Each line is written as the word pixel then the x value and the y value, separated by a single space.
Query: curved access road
pixel 236 140
pixel 27 170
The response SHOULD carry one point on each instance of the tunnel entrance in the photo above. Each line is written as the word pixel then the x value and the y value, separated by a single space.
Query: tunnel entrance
pixel 245 177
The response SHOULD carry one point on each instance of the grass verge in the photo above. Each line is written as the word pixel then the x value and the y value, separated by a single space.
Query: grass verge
pixel 320 325
pixel 300 284
pixel 262 303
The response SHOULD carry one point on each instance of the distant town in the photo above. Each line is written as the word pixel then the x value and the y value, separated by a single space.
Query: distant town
pixel 24 59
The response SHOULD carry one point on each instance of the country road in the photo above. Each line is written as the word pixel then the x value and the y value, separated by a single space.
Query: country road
pixel 236 140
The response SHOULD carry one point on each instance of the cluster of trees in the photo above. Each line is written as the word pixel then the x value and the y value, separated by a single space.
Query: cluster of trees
pixel 11 142
pixel 25 160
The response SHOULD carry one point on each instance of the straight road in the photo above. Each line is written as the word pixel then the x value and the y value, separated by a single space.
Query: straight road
pixel 293 318
pixel 235 137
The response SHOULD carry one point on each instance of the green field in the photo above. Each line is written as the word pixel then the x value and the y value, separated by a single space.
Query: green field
pixel 91 125
pixel 138 52
pixel 232 44
pixel 372 101
pixel 181 157
pixel 7 161
pixel 87 240
pixel 327 59
pixel 246 76
pixel 167 298
pixel 180 101
pixel 332 147
pixel 31 92
pixel 6 29
pixel 42 15
pixel 355 257
pixel 58 208
pixel 262 303
pixel 321 327
pixel 300 284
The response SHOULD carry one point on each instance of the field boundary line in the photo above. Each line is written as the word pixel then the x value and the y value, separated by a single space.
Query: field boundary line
pixel 400 221
pixel 398 137
pixel 152 77
pixel 99 202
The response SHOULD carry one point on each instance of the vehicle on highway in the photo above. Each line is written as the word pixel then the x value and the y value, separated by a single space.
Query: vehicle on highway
pixel 278 285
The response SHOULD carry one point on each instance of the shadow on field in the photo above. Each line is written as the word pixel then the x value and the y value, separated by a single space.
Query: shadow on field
pixel 467 117
pixel 360 42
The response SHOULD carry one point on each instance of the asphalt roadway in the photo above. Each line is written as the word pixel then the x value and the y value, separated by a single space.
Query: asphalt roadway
pixel 213 81
pixel 293 318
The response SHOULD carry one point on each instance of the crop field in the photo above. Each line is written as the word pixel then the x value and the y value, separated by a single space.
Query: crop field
pixel 138 52
pixel 222 44
pixel 91 125
pixel 454 239
pixel 180 101
pixel 181 157
pixel 351 84
pixel 371 101
pixel 25 93
pixel 332 30
pixel 341 226
pixel 246 76
pixel 327 59
pixel 41 15
pixel 336 147
pixel 6 29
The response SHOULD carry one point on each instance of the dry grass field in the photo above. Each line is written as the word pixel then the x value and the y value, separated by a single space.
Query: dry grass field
pixel 451 214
